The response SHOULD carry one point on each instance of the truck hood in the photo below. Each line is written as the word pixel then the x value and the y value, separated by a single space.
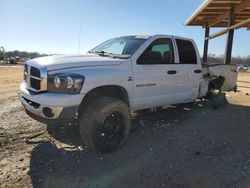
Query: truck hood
pixel 56 62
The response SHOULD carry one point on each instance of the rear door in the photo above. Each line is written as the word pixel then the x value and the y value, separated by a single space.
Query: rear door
pixel 155 75
pixel 190 71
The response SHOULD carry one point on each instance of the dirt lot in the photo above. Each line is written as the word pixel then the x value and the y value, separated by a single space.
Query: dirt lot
pixel 9 80
pixel 189 145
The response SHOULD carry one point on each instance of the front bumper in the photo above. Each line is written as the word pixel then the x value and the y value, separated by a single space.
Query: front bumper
pixel 50 107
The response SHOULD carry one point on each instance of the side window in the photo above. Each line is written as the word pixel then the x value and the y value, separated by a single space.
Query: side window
pixel 159 52
pixel 187 53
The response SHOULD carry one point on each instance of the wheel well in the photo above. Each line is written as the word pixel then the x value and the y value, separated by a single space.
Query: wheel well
pixel 217 83
pixel 104 91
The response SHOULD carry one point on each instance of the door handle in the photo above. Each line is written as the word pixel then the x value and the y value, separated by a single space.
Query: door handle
pixel 197 71
pixel 172 72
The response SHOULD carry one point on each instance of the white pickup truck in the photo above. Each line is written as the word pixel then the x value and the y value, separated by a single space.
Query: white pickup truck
pixel 124 74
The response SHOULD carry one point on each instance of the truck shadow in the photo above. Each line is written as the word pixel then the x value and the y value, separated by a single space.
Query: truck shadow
pixel 69 134
pixel 166 148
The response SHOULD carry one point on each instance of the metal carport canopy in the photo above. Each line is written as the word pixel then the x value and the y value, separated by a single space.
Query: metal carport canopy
pixel 232 14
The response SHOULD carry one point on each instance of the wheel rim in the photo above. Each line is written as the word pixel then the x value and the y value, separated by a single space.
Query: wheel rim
pixel 112 129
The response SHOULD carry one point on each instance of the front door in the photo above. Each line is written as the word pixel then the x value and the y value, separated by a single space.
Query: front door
pixel 155 75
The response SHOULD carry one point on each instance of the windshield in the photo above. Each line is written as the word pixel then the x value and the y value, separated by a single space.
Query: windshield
pixel 122 47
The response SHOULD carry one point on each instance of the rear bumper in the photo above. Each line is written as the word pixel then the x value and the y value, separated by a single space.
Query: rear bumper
pixel 50 107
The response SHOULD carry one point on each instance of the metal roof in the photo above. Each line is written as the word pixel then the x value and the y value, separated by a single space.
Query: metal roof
pixel 215 13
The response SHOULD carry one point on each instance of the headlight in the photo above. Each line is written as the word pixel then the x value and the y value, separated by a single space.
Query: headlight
pixel 65 83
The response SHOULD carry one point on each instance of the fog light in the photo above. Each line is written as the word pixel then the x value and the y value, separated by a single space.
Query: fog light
pixel 48 112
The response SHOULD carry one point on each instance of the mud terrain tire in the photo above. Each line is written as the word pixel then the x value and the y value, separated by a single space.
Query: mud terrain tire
pixel 105 124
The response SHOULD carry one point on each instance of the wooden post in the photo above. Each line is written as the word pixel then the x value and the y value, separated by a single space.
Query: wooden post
pixel 205 50
pixel 230 36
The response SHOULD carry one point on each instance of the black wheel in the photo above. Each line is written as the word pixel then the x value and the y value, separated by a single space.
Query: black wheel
pixel 105 124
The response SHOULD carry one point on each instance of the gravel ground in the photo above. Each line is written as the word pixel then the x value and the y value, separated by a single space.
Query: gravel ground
pixel 188 145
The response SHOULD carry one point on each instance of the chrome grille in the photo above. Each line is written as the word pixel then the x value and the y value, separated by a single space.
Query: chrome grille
pixel 35 72
pixel 35 77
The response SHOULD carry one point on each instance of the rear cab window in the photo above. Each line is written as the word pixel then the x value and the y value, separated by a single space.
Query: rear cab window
pixel 187 52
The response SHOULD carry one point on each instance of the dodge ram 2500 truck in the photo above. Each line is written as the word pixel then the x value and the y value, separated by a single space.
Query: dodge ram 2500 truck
pixel 124 74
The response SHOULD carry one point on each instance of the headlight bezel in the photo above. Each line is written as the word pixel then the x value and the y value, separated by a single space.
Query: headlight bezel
pixel 59 83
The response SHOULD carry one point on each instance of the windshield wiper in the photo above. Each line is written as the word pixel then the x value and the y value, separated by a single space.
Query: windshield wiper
pixel 103 53
pixel 109 54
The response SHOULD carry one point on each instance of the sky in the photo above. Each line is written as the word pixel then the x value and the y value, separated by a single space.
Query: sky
pixel 53 26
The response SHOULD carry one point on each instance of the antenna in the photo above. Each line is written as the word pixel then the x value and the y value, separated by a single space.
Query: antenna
pixel 79 41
